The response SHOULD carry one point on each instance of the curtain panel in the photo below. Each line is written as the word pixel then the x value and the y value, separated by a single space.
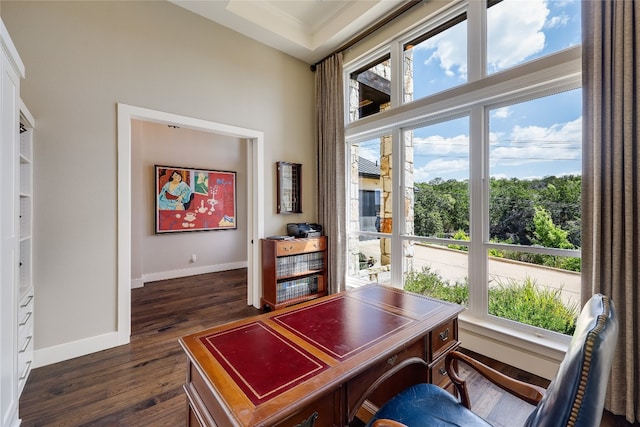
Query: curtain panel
pixel 331 166
pixel 611 182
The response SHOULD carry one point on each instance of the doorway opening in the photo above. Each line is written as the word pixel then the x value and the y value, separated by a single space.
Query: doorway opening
pixel 255 200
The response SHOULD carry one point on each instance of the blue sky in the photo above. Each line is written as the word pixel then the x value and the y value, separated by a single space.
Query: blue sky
pixel 528 140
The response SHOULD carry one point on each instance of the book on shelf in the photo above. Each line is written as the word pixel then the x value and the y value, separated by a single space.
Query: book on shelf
pixel 287 266
pixel 292 289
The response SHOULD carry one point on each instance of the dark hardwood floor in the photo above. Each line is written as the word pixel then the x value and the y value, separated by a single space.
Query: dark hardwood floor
pixel 140 384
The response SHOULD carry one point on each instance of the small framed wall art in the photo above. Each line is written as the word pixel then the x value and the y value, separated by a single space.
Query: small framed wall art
pixel 289 191
pixel 194 199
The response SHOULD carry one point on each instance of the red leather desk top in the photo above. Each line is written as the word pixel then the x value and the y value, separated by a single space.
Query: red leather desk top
pixel 260 360
pixel 309 346
pixel 343 326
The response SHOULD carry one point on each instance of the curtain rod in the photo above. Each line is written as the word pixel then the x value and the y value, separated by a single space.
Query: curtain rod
pixel 375 27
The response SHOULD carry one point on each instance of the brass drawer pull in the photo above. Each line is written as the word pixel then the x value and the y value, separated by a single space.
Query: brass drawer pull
pixel 444 335
pixel 309 422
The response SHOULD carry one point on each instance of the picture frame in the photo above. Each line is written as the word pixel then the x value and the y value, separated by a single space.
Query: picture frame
pixel 190 199
pixel 289 188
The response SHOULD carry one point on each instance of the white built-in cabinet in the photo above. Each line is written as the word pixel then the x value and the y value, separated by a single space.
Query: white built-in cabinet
pixel 15 235
pixel 25 281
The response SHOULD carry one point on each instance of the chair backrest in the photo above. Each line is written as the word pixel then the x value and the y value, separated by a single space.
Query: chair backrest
pixel 576 396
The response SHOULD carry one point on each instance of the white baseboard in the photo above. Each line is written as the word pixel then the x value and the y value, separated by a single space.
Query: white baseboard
pixel 66 351
pixel 185 272
pixel 137 283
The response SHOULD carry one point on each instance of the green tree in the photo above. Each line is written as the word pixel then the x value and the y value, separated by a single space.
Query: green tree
pixel 511 210
pixel 546 233
pixel 431 209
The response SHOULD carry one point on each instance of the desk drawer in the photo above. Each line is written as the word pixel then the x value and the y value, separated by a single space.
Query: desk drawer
pixel 442 338
pixel 297 246
pixel 324 411
pixel 438 373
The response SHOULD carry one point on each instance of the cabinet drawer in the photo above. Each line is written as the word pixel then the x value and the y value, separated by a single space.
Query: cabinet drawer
pixel 439 373
pixel 443 337
pixel 25 306
pixel 296 246
pixel 25 322
pixel 25 361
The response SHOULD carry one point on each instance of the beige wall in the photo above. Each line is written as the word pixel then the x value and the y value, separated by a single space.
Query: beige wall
pixel 82 58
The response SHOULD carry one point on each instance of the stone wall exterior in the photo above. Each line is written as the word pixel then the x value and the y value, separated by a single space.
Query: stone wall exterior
pixel 386 204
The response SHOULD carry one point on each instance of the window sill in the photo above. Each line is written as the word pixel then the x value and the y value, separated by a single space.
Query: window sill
pixel 539 354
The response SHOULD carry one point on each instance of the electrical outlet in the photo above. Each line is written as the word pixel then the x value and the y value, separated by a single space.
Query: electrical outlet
pixel 193 258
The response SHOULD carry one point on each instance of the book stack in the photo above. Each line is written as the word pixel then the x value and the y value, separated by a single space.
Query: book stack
pixel 296 288
pixel 287 266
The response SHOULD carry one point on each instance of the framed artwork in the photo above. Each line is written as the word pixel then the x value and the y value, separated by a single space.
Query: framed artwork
pixel 289 188
pixel 194 199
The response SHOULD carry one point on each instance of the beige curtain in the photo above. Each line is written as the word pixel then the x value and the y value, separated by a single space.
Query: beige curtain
pixel 611 182
pixel 331 166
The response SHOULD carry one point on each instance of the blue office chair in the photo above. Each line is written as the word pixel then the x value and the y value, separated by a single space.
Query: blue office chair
pixel 574 398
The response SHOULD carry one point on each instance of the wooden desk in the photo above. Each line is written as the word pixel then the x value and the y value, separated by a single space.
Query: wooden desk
pixel 314 361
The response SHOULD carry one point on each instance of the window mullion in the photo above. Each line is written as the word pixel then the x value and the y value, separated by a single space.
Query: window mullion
pixel 397 73
pixel 478 298
pixel 398 214
pixel 476 40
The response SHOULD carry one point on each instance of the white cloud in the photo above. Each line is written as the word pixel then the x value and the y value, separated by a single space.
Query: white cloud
pixel 440 168
pixel 451 156
pixel 557 21
pixel 449 50
pixel 515 32
pixel 502 113
pixel 436 145
pixel 532 144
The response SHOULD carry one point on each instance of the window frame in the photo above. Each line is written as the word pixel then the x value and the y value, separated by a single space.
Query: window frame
pixel 554 73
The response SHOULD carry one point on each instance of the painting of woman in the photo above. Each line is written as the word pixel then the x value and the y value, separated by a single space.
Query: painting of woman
pixel 174 194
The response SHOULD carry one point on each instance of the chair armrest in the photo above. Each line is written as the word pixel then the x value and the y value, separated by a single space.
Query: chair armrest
pixel 384 377
pixel 387 423
pixel 528 392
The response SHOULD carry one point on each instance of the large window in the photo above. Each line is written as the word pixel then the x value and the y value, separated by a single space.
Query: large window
pixel 478 177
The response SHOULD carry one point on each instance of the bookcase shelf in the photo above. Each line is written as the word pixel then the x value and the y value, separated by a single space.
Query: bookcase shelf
pixel 293 271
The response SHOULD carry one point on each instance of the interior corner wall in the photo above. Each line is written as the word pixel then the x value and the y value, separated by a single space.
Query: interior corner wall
pixel 165 256
pixel 81 60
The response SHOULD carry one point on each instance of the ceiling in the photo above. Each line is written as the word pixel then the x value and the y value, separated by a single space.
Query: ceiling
pixel 309 30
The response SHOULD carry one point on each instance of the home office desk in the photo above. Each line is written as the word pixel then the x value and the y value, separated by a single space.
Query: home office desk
pixel 310 364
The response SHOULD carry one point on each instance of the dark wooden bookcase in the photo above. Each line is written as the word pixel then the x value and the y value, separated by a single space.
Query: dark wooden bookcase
pixel 293 271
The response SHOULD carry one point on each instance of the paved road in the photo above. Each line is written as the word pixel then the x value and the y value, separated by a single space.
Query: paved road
pixel 452 266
